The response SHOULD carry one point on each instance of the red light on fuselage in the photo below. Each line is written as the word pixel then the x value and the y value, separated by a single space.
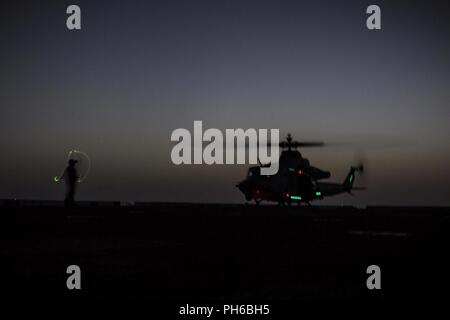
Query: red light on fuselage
pixel 299 172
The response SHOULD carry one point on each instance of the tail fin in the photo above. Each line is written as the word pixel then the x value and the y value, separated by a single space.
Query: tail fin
pixel 348 182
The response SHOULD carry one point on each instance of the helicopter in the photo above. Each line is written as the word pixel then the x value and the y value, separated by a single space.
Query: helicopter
pixel 297 181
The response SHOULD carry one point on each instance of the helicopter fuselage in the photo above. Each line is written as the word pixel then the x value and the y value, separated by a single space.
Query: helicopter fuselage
pixel 296 180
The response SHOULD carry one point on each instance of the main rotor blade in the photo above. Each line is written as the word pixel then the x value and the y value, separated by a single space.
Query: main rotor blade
pixel 284 144
pixel 297 144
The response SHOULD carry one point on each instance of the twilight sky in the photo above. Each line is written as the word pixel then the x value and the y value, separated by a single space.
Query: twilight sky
pixel 140 69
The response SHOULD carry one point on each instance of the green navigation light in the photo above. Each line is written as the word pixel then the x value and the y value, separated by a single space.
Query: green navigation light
pixel 296 198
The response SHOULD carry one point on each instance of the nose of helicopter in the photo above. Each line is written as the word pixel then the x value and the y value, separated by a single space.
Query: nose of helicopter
pixel 241 185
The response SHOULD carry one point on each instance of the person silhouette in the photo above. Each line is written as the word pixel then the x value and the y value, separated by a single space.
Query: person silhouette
pixel 70 175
